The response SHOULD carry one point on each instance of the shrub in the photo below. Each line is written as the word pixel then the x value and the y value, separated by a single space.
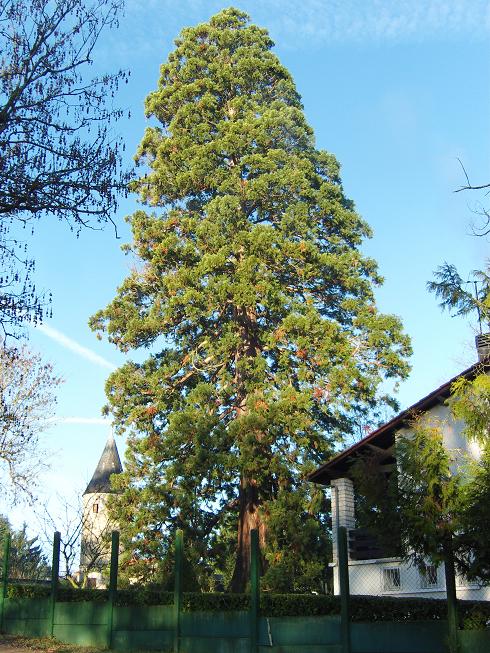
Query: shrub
pixel 474 615
pixel 144 596
pixel 298 605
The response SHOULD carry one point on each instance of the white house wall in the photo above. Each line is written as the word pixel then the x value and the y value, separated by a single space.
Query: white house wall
pixel 452 430
pixel 366 576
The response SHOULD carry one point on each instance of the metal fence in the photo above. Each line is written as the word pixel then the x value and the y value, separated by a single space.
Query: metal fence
pixel 375 572
pixel 392 577
pixel 387 578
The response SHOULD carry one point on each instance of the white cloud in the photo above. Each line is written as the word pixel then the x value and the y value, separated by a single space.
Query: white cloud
pixel 80 420
pixel 343 21
pixel 74 346
pixel 299 25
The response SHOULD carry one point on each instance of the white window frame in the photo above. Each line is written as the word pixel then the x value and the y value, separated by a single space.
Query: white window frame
pixel 391 579
pixel 429 577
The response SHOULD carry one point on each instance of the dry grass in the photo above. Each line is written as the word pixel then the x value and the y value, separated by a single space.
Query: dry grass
pixel 44 644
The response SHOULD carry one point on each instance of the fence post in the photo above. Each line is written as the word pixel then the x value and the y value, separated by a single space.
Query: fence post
pixel 5 576
pixel 254 589
pixel 343 562
pixel 55 572
pixel 179 546
pixel 112 585
pixel 452 601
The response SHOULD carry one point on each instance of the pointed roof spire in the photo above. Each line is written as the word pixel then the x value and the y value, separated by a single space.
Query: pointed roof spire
pixel 109 464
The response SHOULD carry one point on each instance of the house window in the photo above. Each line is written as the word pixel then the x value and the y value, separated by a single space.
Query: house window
pixel 95 507
pixel 463 581
pixel 391 579
pixel 428 577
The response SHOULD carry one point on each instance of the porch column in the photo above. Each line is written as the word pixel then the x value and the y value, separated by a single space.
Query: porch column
pixel 343 514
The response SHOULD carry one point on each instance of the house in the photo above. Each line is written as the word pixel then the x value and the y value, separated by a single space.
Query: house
pixel 372 571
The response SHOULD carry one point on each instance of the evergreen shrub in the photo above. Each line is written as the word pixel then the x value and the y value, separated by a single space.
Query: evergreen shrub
pixel 474 615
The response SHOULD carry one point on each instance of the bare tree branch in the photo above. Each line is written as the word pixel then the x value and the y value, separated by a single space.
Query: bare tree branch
pixel 80 541
pixel 59 156
pixel 27 401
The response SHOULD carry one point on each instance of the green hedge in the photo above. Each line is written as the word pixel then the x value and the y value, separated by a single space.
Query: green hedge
pixel 28 591
pixel 379 608
pixel 298 605
pixel 143 596
pixel 214 602
pixel 473 614
pixel 69 594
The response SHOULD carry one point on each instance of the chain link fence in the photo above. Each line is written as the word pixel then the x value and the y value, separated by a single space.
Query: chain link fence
pixel 396 578
pixel 373 573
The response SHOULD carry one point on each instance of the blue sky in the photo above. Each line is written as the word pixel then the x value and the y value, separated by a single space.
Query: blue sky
pixel 397 90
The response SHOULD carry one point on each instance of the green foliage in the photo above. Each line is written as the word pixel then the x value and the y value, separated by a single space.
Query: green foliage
pixel 297 544
pixel 473 538
pixel 27 560
pixel 144 596
pixel 28 591
pixel 420 498
pixel 298 605
pixel 474 615
pixel 454 293
pixel 70 594
pixel 159 572
pixel 166 574
pixel 387 608
pixel 214 602
pixel 470 402
pixel 256 301
pixel 436 500
pixel 428 493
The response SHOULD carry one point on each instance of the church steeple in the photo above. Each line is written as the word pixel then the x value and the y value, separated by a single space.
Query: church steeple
pixel 109 464
pixel 97 521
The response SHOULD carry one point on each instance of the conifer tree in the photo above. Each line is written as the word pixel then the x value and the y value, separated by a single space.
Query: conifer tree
pixel 253 296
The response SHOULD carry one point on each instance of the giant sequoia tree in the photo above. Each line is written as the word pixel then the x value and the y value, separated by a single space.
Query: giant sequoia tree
pixel 254 297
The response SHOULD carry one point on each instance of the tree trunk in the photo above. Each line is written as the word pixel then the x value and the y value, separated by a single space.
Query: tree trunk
pixel 249 496
pixel 249 517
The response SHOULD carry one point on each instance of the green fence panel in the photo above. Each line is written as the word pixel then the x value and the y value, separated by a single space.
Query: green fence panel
pixel 27 608
pixel 215 624
pixel 302 648
pixel 150 628
pixel 214 645
pixel 474 641
pixel 81 635
pixel 143 640
pixel 55 572
pixel 28 627
pixel 81 613
pixel 150 617
pixel 5 576
pixel 399 637
pixel 293 631
pixel 30 617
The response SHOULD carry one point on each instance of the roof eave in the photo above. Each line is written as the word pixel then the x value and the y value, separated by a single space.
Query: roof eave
pixel 327 472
